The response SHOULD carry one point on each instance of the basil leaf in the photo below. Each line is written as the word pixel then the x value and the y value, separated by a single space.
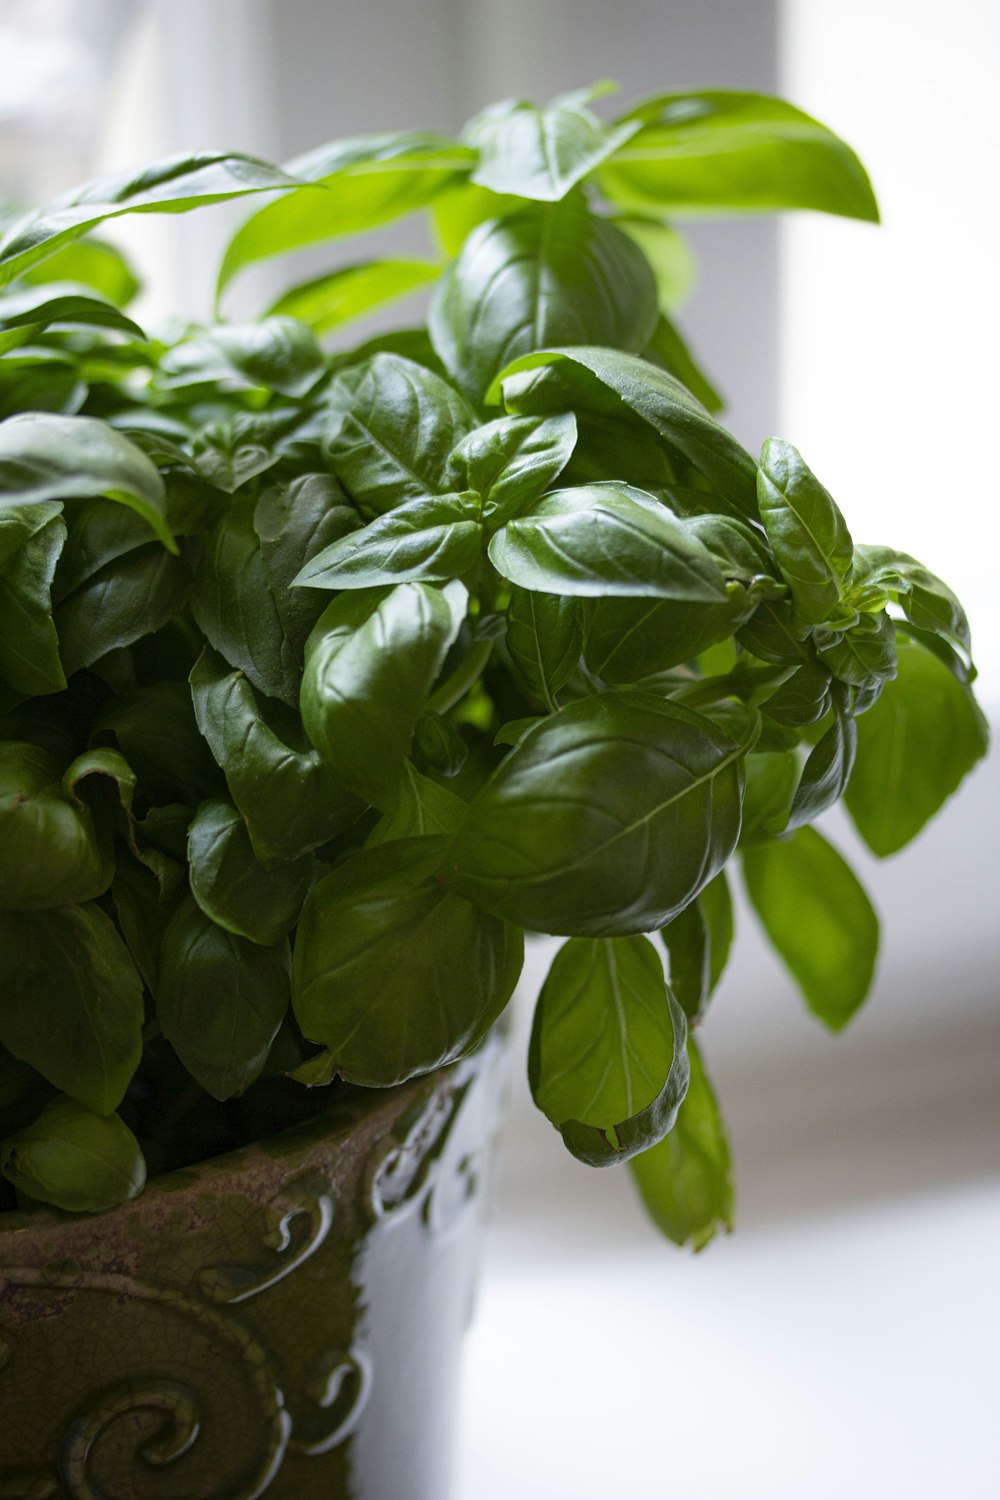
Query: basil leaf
pixel 544 638
pixel 232 887
pixel 915 746
pixel 534 279
pixel 45 457
pixel 607 1063
pixel 724 149
pixel 686 1182
pixel 277 354
pixel 771 781
pixel 818 918
pixel 130 597
pixel 79 1161
pixel 395 432
pixel 430 540
pixel 828 768
pixel 606 539
pixel 629 639
pixel 53 852
pixel 88 262
pixel 394 974
pixel 39 307
pixel 424 809
pixel 927 603
pixel 144 895
pixel 511 461
pixel 295 522
pixel 864 656
pixel 370 667
pixel 806 530
pixel 155 729
pixel 698 942
pixel 439 744
pixel 607 818
pixel 31 540
pixel 329 301
pixel 72 1001
pixel 220 1000
pixel 353 185
pixel 290 801
pixel 541 153
pixel 804 698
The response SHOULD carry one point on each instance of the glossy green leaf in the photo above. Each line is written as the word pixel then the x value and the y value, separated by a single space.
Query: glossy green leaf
pixel 698 942
pixel 541 153
pixel 131 596
pixel 544 638
pixel 806 530
pixel 31 540
pixel 394 974
pixel 804 698
pixel 915 746
pixel 72 1001
pixel 276 353
pixel 428 540
pixel 40 307
pixel 88 262
pixel 534 279
pixel 818 918
pixel 721 150
pixel 75 1159
pixel 53 852
pixel 686 1182
pixel 607 1062
pixel 326 302
pixel 629 639
pixel 295 522
pixel 511 461
pixel 828 768
pixel 232 887
pixel 607 818
pixel 425 808
pixel 928 603
pixel 144 900
pixel 219 1000
pixel 864 655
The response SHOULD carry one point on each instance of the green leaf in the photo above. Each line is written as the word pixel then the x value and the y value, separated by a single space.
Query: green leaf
pixel 534 279
pixel 220 1000
pixel 144 900
pixel 511 461
pixel 771 781
pixel 394 974
pixel 53 852
pixel 880 574
pixel 77 1160
pixel 155 729
pixel 354 185
pixel 88 262
pixel 39 307
pixel 629 639
pixel 828 768
pixel 276 353
pixel 606 539
pixel 719 150
pixel 806 530
pixel 698 942
pixel 172 185
pixel 863 656
pixel 614 384
pixel 31 540
pixel 439 744
pixel 428 540
pixel 686 1182
pixel 817 916
pixel 607 1063
pixel 72 1001
pixel 295 522
pixel 291 803
pixel 607 818
pixel 329 301
pixel 232 887
pixel 544 638
pixel 397 427
pixel 915 746
pixel 541 153
pixel 46 457
pixel 370 668
pixel 424 809
pixel 804 698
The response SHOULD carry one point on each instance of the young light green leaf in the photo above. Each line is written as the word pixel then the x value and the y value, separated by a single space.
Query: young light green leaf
pixel 817 916
pixel 429 540
pixel 53 852
pixel 31 540
pixel 534 279
pixel 607 818
pixel 828 767
pixel 541 153
pixel 329 301
pixel 698 942
pixel 607 1062
pixel 927 602
pixel 915 746
pixel 232 887
pixel 511 461
pixel 720 150
pixel 394 974
pixel 75 1159
pixel 72 1001
pixel 806 530
pixel 544 638
pixel 686 1182
pixel 219 1000
pixel 88 262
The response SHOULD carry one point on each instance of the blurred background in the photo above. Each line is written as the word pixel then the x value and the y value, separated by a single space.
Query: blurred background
pixel 842 1342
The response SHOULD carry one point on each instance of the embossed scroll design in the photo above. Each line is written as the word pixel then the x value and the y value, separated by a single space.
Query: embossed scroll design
pixel 335 1391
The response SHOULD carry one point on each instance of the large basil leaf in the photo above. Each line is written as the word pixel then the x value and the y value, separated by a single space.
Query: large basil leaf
pixel 535 279
pixel 353 185
pixel 79 1161
pixel 806 530
pixel 370 667
pixel 72 1001
pixel 326 302
pixel 817 916
pixel 698 942
pixel 607 818
pixel 295 522
pixel 613 384
pixel 511 461
pixel 686 1182
pixel 219 1000
pixel 607 1063
pixel 396 429
pixel 31 539
pixel 719 149
pixel 44 456
pixel 544 638
pixel 430 540
pixel 393 974
pixel 606 539
pixel 53 851
pixel 915 745
pixel 628 639
pixel 290 801
pixel 541 153
pixel 828 767
pixel 232 887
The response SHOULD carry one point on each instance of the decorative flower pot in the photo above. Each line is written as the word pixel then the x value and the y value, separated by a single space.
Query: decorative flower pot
pixel 284 1320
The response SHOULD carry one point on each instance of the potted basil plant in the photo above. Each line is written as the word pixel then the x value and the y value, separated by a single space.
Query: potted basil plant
pixel 324 678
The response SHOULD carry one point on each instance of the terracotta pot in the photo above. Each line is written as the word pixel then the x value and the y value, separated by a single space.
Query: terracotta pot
pixel 282 1321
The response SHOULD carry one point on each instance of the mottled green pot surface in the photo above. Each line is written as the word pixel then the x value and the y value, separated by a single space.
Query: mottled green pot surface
pixel 283 1321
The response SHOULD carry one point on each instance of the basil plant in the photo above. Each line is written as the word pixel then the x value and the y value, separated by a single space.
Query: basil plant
pixel 326 676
